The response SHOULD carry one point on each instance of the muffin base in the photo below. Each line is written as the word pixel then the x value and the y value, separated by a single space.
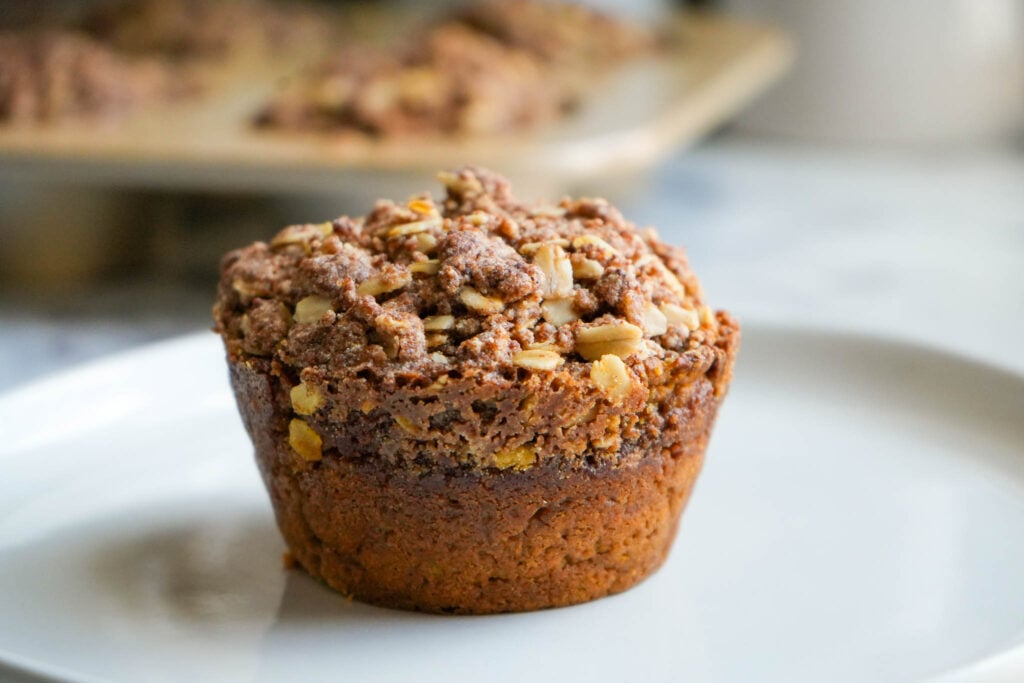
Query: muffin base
pixel 473 541
pixel 481 542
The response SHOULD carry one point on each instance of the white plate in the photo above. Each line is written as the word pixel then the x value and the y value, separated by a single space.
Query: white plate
pixel 860 517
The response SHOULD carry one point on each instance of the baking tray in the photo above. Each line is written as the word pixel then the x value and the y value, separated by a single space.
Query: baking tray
pixel 633 118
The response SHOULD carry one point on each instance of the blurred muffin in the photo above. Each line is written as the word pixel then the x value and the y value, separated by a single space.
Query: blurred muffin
pixel 55 75
pixel 492 68
pixel 456 81
pixel 475 406
pixel 208 30
pixel 564 35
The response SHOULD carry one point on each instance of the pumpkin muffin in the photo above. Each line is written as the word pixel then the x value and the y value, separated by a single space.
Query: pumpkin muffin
pixel 475 405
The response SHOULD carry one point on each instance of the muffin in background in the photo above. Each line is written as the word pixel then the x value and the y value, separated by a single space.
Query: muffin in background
pixel 54 75
pixel 475 406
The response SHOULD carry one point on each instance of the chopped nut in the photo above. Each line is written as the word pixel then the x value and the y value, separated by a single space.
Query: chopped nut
pixel 306 398
pixel 531 247
pixel 435 339
pixel 475 301
pixel 520 458
pixel 301 235
pixel 478 218
pixel 558 311
pixel 438 322
pixel 683 317
pixel 622 349
pixel 587 269
pixel 441 381
pixel 655 322
pixel 425 242
pixel 311 309
pixel 619 339
pixel 406 229
pixel 544 346
pixel 246 290
pixel 549 211
pixel 614 331
pixel 537 359
pixel 463 186
pixel 304 441
pixel 610 375
pixel 428 267
pixel 556 268
pixel 422 206
pixel 439 357
pixel 407 424
pixel 375 285
pixel 584 240
pixel 367 406
pixel 707 317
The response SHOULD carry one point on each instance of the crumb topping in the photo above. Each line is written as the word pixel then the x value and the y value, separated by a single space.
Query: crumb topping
pixel 476 330
pixel 476 278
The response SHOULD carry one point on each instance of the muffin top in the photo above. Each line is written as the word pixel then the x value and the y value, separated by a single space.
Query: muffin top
pixel 463 330
pixel 478 279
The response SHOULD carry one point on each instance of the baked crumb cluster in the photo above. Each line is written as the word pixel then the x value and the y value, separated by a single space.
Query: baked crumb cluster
pixel 545 321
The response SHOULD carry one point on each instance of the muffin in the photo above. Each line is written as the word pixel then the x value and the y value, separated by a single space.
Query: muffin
pixel 54 75
pixel 210 30
pixel 486 69
pixel 475 405
pixel 451 81
pixel 564 35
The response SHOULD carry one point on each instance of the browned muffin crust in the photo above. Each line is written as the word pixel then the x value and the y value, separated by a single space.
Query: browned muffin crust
pixel 454 540
pixel 475 405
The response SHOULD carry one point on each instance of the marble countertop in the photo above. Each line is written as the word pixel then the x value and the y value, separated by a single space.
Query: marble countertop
pixel 926 247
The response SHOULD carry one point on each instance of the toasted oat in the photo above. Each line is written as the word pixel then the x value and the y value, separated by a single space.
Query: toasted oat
pixel 435 323
pixel 375 285
pixel 311 309
pixel 475 301
pixel 559 311
pixel 618 339
pixel 655 322
pixel 556 268
pixel 532 247
pixel 594 240
pixel 587 269
pixel 537 359
pixel 428 267
pixel 683 317
pixel 406 229
pixel 610 375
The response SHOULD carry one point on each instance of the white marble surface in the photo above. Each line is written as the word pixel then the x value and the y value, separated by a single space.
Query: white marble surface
pixel 921 246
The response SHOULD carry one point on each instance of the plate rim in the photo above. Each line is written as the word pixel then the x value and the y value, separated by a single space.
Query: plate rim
pixel 1002 664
